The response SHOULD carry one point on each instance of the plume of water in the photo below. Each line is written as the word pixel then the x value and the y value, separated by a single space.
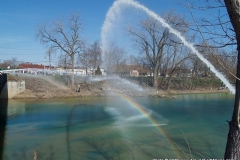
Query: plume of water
pixel 118 83
pixel 113 12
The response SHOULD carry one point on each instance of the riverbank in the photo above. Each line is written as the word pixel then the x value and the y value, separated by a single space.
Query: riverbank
pixel 45 87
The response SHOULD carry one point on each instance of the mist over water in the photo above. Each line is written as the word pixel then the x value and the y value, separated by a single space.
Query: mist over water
pixel 114 12
pixel 124 116
pixel 128 117
pixel 119 83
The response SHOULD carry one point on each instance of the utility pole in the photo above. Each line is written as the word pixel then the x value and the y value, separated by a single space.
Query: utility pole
pixel 49 54
pixel 44 66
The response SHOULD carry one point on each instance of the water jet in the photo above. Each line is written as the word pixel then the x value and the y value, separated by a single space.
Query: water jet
pixel 119 4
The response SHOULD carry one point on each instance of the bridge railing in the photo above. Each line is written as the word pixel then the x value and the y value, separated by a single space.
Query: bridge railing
pixel 38 71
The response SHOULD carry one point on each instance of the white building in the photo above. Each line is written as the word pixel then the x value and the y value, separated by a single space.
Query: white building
pixel 80 71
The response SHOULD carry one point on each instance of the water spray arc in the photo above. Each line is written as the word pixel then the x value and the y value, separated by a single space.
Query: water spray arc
pixel 116 7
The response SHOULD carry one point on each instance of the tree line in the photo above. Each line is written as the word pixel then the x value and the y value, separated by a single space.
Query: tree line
pixel 161 52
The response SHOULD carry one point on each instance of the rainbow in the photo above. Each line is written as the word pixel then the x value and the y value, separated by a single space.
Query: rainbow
pixel 141 110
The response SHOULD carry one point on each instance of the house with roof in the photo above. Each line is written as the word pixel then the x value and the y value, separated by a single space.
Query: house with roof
pixel 129 70
pixel 33 68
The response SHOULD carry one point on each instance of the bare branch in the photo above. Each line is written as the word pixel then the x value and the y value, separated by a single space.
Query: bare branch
pixel 210 51
pixel 63 36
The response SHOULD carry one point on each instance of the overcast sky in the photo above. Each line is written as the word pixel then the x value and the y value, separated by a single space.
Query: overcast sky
pixel 19 20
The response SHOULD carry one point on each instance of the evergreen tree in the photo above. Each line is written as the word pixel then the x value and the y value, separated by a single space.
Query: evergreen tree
pixel 98 72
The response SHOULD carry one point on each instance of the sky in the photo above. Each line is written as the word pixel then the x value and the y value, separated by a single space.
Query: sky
pixel 19 20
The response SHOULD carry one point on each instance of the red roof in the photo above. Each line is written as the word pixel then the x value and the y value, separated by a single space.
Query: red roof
pixel 25 66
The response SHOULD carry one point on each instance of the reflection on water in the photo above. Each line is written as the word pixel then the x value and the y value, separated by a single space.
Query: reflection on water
pixel 15 108
pixel 114 128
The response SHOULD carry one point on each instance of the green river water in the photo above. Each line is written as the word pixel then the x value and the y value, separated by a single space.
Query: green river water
pixel 116 128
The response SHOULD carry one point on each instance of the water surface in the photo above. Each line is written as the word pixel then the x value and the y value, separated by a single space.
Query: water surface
pixel 115 128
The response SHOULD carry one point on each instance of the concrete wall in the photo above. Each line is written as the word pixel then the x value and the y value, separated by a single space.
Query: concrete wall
pixel 11 89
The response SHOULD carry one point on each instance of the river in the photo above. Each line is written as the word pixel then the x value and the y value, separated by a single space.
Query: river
pixel 117 127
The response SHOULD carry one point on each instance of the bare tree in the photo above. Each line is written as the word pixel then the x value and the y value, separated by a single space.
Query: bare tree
pixel 133 60
pixel 115 56
pixel 13 63
pixel 96 51
pixel 63 35
pixel 118 56
pixel 84 59
pixel 223 60
pixel 64 61
pixel 229 59
pixel 173 63
pixel 154 39
pixel 90 58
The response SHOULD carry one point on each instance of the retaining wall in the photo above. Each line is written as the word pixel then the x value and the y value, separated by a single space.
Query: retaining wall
pixel 11 89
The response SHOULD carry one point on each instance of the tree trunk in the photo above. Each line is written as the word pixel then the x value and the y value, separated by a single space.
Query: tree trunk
pixel 233 142
pixel 169 81
pixel 72 57
pixel 155 77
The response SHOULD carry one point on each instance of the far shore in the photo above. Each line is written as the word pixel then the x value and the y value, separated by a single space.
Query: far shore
pixel 161 94
pixel 48 88
pixel 198 91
